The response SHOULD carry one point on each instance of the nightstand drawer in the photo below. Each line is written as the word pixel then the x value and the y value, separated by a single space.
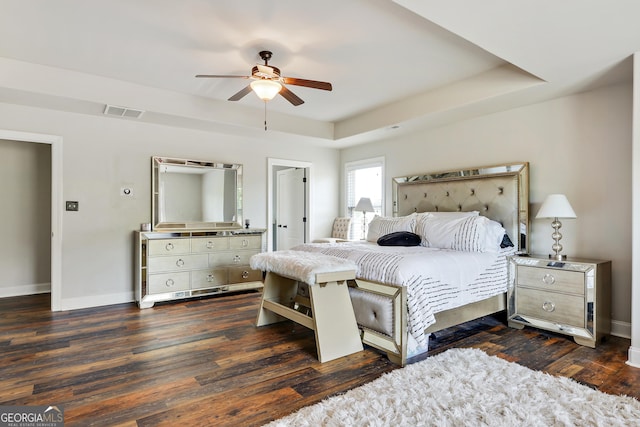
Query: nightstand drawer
pixel 553 307
pixel 551 279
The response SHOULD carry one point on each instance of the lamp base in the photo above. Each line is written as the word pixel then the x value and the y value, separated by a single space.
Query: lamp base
pixel 558 257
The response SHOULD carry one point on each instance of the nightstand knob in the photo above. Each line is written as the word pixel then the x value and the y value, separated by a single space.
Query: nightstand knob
pixel 548 279
pixel 548 306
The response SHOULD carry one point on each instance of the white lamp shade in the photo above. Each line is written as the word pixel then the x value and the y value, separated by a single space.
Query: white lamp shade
pixel 556 206
pixel 265 89
pixel 364 205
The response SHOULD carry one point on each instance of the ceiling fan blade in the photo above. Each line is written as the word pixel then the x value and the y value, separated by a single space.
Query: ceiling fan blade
pixel 215 76
pixel 290 96
pixel 241 94
pixel 307 83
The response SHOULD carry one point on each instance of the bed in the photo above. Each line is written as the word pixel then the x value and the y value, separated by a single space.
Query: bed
pixel 402 294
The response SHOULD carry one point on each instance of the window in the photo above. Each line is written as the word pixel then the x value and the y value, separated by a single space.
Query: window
pixel 364 178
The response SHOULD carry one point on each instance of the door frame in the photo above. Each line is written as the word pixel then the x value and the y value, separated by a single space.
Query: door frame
pixel 56 204
pixel 272 164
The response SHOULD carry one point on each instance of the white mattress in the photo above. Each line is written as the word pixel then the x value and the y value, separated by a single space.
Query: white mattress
pixel 436 279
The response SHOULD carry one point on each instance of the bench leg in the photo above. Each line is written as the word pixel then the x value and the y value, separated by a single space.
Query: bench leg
pixel 276 288
pixel 336 329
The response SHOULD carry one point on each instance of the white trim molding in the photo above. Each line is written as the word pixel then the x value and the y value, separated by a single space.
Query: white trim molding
pixel 621 329
pixel 634 349
pixel 56 204
pixel 271 165
pixel 634 357
pixel 22 290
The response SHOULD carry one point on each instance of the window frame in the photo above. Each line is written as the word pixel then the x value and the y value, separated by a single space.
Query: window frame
pixel 352 166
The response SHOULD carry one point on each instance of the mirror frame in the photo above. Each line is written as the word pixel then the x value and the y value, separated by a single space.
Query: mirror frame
pixel 156 161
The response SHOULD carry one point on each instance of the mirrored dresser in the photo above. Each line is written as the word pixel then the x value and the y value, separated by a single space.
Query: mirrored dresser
pixel 198 245
pixel 572 296
pixel 176 265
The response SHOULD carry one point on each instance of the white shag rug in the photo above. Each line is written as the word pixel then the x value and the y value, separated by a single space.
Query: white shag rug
pixel 467 387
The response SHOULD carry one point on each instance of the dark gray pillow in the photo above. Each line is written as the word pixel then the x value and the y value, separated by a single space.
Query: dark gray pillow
pixel 506 242
pixel 399 238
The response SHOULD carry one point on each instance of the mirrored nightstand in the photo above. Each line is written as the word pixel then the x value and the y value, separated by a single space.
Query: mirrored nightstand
pixel 571 296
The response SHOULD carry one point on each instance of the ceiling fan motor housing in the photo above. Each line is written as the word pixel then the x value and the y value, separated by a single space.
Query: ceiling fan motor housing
pixel 255 72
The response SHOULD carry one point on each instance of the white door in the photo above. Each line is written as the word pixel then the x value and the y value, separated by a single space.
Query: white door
pixel 290 208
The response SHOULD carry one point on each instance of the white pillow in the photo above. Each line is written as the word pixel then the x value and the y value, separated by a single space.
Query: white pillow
pixel 459 232
pixel 419 229
pixel 381 226
pixel 494 234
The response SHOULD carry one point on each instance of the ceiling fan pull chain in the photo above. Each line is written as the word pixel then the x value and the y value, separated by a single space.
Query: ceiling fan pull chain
pixel 265 116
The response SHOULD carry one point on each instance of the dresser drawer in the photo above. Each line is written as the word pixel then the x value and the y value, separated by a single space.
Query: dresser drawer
pixel 176 263
pixel 168 282
pixel 230 258
pixel 551 279
pixel 244 274
pixel 209 244
pixel 245 242
pixel 169 246
pixel 550 306
pixel 208 278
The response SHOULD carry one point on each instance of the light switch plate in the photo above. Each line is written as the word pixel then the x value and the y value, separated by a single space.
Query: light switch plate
pixel 72 206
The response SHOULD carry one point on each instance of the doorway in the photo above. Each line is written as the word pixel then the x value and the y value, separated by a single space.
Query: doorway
pixel 56 204
pixel 288 205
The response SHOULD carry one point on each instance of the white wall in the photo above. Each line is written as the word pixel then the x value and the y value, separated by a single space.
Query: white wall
pixel 101 154
pixel 579 145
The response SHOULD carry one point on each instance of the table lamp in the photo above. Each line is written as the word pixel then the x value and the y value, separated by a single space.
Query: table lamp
pixel 556 206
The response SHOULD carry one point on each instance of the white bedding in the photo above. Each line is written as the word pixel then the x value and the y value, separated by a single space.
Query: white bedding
pixel 436 279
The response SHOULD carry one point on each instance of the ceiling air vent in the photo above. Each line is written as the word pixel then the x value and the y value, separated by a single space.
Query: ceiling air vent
pixel 113 110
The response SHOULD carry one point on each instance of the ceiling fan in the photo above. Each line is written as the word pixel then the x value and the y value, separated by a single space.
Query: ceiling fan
pixel 268 82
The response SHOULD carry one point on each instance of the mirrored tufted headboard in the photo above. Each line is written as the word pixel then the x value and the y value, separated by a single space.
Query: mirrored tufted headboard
pixel 500 193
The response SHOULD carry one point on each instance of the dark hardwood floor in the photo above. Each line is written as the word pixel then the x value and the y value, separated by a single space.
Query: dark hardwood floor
pixel 203 362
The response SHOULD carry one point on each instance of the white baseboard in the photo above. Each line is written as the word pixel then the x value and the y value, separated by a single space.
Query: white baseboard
pixel 21 290
pixel 634 357
pixel 621 329
pixel 96 301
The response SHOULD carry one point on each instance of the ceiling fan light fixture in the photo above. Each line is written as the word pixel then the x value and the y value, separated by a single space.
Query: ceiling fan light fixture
pixel 266 89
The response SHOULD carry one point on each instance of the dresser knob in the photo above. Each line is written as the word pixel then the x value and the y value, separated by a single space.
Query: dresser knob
pixel 245 274
pixel 210 244
pixel 548 279
pixel 180 262
pixel 548 306
pixel 169 246
pixel 245 243
pixel 236 259
pixel 169 283
pixel 210 278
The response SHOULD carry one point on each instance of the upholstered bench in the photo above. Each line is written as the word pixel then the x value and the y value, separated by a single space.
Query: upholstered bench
pixel 330 313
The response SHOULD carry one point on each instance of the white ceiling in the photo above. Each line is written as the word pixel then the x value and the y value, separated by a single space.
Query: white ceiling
pixel 405 64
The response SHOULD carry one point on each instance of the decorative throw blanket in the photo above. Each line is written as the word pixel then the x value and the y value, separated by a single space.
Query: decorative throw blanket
pixel 436 279
pixel 302 266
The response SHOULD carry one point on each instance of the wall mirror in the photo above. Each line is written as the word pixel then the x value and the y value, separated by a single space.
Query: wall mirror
pixel 194 194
